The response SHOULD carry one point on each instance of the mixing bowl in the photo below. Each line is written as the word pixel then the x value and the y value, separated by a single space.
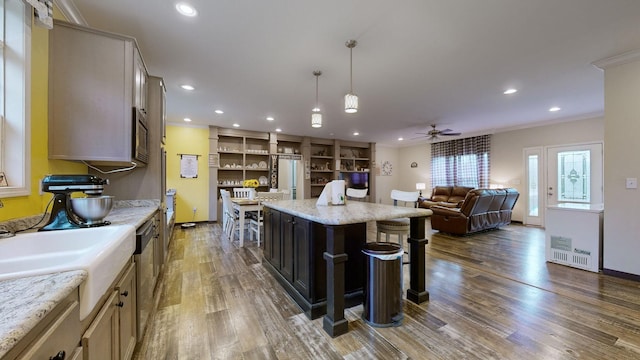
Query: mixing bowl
pixel 92 209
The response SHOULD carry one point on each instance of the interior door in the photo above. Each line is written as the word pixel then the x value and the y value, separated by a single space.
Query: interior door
pixel 574 174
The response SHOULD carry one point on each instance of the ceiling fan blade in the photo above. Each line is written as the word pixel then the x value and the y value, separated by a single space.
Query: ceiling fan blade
pixel 445 130
pixel 450 134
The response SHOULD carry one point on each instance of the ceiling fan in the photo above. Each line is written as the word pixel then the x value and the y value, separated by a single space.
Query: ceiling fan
pixel 434 133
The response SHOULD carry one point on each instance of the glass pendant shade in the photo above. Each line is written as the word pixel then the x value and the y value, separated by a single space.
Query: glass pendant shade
pixel 316 118
pixel 351 103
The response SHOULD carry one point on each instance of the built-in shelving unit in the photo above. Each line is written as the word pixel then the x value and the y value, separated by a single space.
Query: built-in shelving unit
pixel 321 164
pixel 243 155
pixel 355 164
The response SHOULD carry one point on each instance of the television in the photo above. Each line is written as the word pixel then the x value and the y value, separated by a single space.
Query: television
pixel 356 180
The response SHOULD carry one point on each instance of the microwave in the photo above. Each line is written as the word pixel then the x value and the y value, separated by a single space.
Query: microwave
pixel 140 137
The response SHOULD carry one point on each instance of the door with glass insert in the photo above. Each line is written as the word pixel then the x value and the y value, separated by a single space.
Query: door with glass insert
pixel 534 195
pixel 574 174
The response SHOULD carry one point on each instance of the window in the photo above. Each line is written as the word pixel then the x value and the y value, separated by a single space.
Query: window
pixel 15 45
pixel 462 162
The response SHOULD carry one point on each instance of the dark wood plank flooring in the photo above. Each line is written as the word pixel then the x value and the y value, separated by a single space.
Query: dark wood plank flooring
pixel 492 296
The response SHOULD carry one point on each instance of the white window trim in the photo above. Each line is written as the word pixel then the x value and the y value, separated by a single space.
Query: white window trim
pixel 16 133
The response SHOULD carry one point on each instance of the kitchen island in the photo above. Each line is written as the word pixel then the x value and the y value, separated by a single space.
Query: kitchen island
pixel 315 253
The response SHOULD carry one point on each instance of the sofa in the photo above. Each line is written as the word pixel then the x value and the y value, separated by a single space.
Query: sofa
pixel 448 196
pixel 482 209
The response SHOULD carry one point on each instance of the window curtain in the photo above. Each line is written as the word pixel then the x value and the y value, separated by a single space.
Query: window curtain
pixel 43 10
pixel 461 162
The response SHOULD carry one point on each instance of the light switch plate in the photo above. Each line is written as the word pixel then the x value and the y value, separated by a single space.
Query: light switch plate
pixel 632 183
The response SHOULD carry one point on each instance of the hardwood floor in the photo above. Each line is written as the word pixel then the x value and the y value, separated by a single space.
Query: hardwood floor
pixel 492 296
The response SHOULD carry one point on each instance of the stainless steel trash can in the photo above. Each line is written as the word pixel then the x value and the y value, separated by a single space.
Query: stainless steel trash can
pixel 383 284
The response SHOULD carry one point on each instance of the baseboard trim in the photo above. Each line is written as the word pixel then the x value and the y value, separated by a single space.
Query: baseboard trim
pixel 621 274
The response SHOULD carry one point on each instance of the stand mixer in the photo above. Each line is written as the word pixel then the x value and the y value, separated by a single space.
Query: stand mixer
pixel 62 215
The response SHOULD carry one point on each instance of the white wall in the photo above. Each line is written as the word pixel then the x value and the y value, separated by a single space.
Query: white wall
pixel 621 149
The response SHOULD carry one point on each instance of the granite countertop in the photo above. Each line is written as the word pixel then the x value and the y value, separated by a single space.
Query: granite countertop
pixel 26 301
pixel 352 212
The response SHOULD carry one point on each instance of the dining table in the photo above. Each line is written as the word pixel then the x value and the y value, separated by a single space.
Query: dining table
pixel 244 205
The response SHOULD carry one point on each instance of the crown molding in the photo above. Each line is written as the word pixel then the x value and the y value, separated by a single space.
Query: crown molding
pixel 70 11
pixel 616 60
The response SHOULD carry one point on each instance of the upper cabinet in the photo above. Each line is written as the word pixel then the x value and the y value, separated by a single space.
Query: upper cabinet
pixel 97 82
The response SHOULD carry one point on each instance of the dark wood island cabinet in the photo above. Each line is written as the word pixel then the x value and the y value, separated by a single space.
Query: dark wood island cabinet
pixel 315 253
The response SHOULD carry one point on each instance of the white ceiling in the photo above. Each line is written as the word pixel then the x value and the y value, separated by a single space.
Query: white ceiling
pixel 417 62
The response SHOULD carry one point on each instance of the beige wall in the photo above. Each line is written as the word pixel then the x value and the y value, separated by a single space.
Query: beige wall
pixel 621 149
pixel 384 184
pixel 507 159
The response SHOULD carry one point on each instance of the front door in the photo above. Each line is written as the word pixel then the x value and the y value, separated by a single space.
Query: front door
pixel 574 174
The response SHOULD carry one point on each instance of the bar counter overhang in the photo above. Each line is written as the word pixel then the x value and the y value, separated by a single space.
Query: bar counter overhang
pixel 310 249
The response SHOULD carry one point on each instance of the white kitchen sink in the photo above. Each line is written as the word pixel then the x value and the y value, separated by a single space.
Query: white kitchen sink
pixel 101 251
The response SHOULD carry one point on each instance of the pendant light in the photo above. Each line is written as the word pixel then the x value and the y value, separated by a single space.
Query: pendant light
pixel 316 115
pixel 351 99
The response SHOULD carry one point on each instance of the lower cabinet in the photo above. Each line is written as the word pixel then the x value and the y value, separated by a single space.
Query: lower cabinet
pixel 294 252
pixel 112 334
pixel 59 340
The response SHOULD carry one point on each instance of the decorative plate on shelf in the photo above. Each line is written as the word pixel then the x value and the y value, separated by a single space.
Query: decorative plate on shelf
pixel 262 164
pixel 263 180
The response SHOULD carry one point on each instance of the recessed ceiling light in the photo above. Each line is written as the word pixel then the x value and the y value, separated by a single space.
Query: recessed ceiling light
pixel 218 111
pixel 510 91
pixel 186 9
pixel 187 87
pixel 356 133
pixel 278 130
pixel 400 139
pixel 236 125
pixel 187 119
pixel 554 109
pixel 270 118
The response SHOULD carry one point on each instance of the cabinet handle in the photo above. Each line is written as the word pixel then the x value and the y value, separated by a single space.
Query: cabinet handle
pixel 59 356
pixel 120 304
pixel 125 293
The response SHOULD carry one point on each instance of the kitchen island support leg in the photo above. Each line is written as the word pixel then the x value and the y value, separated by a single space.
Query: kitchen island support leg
pixel 417 245
pixel 334 322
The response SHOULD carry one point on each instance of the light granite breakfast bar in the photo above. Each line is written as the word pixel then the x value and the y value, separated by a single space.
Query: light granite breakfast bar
pixel 299 235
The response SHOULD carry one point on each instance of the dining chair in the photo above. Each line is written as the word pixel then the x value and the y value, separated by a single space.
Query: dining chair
pixel 228 215
pixel 255 224
pixel 356 194
pixel 246 193
pixel 230 218
pixel 401 226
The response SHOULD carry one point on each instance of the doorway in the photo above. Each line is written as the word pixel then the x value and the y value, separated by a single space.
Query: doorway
pixel 574 174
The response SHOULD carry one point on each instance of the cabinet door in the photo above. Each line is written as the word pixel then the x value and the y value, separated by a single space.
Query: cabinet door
pixel 140 83
pixel 90 94
pixel 302 256
pixel 286 268
pixel 273 249
pixel 62 335
pixel 101 340
pixel 126 304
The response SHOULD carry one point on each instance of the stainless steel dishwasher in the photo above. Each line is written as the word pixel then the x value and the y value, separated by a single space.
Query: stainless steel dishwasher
pixel 144 257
